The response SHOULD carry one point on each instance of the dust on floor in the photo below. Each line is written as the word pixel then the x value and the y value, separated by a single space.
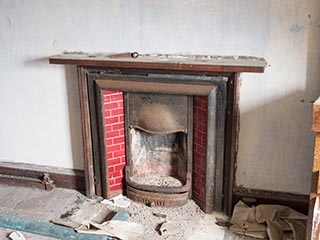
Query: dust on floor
pixel 44 205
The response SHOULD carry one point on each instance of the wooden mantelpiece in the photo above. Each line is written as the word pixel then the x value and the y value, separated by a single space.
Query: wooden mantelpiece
pixel 190 65
pixel 187 63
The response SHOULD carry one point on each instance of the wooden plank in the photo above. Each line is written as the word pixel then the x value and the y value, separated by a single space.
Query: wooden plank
pixel 315 184
pixel 23 174
pixel 86 132
pixel 316 160
pixel 95 136
pixel 168 62
pixel 316 116
pixel 231 141
pixel 298 202
pixel 102 142
pixel 313 218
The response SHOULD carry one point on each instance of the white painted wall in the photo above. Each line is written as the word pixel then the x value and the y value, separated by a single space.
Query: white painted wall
pixel 40 121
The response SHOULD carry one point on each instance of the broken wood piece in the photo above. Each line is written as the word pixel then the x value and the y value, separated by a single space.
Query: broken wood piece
pixel 48 182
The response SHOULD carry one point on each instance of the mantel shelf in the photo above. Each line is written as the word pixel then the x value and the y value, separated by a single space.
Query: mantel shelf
pixel 199 63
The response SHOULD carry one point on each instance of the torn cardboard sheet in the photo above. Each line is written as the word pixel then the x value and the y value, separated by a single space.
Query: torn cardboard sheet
pixel 82 212
pixel 115 228
pixel 273 221
pixel 87 216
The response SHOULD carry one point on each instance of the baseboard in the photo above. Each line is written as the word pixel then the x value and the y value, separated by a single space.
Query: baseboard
pixel 32 175
pixel 298 202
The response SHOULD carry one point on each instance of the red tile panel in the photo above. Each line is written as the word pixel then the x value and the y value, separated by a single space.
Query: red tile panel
pixel 115 140
pixel 199 145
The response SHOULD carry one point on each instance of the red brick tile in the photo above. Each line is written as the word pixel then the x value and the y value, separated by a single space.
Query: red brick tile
pixel 113 148
pixel 116 187
pixel 118 180
pixel 117 112
pixel 109 141
pixel 117 126
pixel 114 161
pixel 110 169
pixel 119 153
pixel 109 155
pixel 110 105
pixel 118 140
pixel 119 167
pixel 111 120
pixel 117 97
pixel 112 134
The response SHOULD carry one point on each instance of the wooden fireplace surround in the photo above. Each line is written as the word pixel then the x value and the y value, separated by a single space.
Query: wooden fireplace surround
pixel 196 65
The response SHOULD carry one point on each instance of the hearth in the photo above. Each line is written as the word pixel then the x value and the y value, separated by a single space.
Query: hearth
pixel 160 128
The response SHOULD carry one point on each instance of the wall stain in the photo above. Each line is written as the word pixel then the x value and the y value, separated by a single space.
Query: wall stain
pixel 5 22
pixel 297 28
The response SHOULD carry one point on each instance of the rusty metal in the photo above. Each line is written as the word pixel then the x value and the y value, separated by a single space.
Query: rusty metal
pixel 156 199
pixel 158 118
pixel 158 113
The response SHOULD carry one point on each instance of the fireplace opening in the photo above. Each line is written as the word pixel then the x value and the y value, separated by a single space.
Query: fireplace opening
pixel 158 138
pixel 158 160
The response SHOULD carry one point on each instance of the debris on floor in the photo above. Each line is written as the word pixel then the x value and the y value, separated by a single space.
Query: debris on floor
pixel 117 201
pixel 185 220
pixel 273 221
pixel 169 228
pixel 82 212
pixel 16 236
pixel 89 216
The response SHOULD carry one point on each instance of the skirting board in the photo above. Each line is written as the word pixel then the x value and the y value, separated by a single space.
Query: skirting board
pixel 299 202
pixel 24 174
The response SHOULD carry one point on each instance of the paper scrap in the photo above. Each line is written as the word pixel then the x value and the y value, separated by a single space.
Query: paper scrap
pixel 117 201
pixel 16 236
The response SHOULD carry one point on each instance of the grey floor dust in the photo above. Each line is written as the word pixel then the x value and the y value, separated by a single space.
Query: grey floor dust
pixel 44 205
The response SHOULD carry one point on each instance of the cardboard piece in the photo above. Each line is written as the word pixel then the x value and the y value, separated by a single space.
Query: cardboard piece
pixel 273 221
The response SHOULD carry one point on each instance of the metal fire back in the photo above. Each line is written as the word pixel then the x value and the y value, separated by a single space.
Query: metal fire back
pixel 158 113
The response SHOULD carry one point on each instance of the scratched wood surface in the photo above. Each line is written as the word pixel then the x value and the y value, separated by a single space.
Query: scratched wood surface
pixel 165 61
pixel 314 208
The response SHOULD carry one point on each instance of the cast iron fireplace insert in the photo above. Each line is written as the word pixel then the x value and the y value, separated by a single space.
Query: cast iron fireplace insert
pixel 159 133
pixel 207 86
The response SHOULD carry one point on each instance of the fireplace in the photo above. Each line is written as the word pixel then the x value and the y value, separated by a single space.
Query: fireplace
pixel 160 128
